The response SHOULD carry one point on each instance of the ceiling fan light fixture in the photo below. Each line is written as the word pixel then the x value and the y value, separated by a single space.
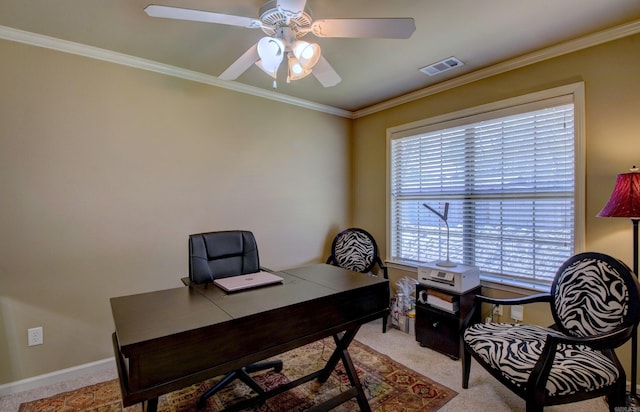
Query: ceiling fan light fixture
pixel 284 22
pixel 296 70
pixel 273 73
pixel 307 54
pixel 271 52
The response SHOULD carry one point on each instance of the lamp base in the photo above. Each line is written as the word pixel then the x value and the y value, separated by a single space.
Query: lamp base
pixel 446 264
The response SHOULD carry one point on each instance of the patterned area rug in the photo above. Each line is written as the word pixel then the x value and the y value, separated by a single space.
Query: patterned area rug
pixel 389 386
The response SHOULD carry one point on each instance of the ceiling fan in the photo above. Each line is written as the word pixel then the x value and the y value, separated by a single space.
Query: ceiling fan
pixel 285 22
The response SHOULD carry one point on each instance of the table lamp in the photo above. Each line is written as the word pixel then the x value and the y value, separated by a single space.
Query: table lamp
pixel 625 202
pixel 444 263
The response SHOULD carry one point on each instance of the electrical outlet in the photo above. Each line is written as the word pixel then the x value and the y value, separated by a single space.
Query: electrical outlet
pixel 35 336
pixel 497 310
pixel 517 312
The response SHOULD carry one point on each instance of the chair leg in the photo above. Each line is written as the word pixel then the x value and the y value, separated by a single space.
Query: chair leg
pixel 255 367
pixel 466 367
pixel 248 380
pixel 243 375
pixel 202 402
pixel 533 407
pixel 385 318
pixel 617 397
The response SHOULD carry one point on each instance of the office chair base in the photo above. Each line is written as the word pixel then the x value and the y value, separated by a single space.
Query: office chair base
pixel 243 375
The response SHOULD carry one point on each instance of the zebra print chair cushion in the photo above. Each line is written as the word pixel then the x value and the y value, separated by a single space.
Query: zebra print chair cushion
pixel 594 302
pixel 514 351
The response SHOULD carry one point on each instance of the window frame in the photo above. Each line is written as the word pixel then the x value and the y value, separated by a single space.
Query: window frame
pixel 575 92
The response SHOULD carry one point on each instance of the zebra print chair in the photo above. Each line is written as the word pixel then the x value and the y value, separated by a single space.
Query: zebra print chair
pixel 355 249
pixel 594 303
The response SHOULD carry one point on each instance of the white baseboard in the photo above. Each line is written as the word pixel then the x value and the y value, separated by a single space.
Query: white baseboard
pixel 68 374
pixel 57 376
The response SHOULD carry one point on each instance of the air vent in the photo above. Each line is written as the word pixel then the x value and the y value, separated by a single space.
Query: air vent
pixel 442 66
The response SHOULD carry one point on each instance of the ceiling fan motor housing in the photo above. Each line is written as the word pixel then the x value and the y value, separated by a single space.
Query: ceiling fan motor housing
pixel 275 19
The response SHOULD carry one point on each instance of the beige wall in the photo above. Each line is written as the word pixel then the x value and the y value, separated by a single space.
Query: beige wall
pixel 106 169
pixel 612 84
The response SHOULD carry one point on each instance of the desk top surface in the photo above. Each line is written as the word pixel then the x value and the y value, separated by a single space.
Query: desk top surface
pixel 147 316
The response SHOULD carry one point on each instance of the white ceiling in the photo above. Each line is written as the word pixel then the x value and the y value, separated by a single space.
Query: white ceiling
pixel 481 33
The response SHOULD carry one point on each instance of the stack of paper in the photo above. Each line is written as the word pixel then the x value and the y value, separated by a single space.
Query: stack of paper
pixel 442 301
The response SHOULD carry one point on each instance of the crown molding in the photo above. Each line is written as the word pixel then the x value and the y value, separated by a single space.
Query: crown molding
pixel 560 49
pixel 508 65
pixel 34 39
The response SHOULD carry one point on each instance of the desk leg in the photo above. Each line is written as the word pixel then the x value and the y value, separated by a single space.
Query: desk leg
pixel 343 340
pixel 355 381
pixel 342 353
pixel 150 405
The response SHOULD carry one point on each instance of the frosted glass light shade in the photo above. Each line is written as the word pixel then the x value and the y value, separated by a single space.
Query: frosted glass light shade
pixel 271 52
pixel 307 54
pixel 296 70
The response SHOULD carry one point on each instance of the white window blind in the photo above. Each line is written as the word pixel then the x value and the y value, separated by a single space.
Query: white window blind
pixel 508 176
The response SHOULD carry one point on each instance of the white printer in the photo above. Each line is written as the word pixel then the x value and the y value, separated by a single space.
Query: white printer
pixel 460 278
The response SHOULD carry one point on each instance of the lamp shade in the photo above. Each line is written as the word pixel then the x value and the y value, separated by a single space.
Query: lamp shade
pixel 625 198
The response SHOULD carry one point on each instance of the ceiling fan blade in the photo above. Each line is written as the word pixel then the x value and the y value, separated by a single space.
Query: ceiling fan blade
pixel 394 28
pixel 166 12
pixel 241 65
pixel 325 73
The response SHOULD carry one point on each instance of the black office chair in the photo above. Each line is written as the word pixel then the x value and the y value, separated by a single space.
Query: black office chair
pixel 594 301
pixel 222 254
pixel 355 249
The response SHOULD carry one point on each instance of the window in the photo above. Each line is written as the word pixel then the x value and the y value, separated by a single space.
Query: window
pixel 510 173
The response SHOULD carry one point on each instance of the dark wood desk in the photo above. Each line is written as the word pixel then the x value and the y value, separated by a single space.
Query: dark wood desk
pixel 169 339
